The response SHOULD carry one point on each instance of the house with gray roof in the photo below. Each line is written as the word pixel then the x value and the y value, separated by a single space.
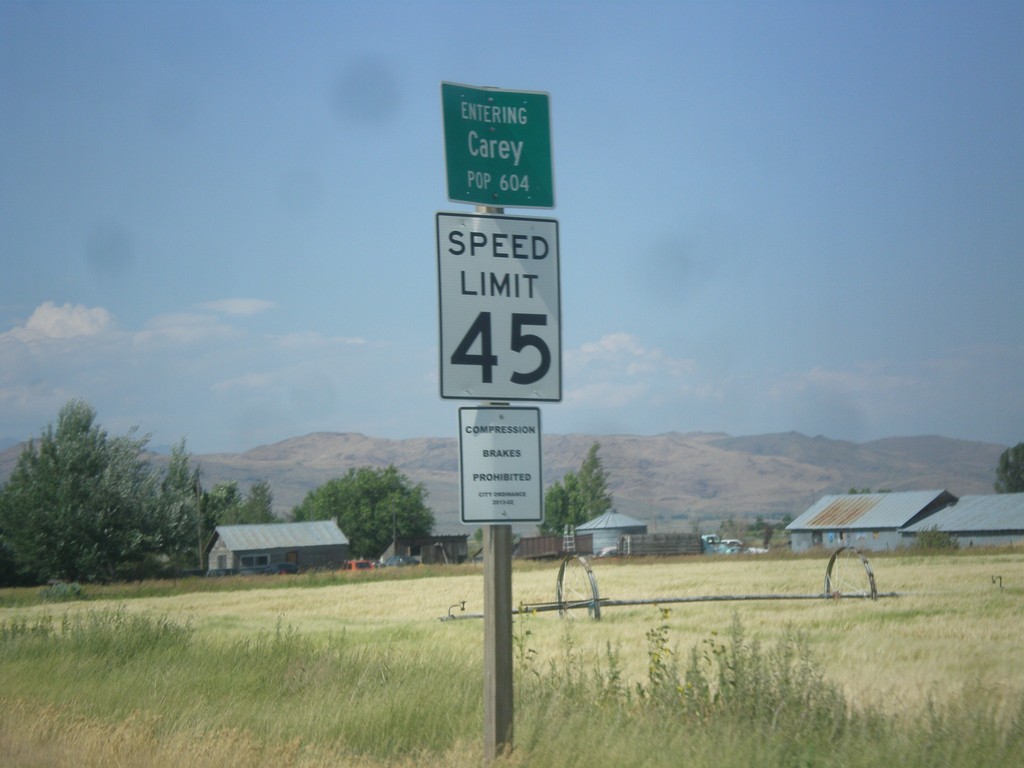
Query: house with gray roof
pixel 993 520
pixel 317 544
pixel 867 521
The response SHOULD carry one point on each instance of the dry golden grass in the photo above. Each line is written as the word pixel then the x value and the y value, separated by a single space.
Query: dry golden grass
pixel 951 628
pixel 34 735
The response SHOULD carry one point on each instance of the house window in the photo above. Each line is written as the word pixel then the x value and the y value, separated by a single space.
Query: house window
pixel 222 562
pixel 255 561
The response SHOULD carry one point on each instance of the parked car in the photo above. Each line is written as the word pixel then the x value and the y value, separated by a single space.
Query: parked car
pixel 359 565
pixel 280 568
pixel 399 560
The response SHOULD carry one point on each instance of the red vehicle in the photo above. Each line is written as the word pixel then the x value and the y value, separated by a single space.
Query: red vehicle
pixel 359 565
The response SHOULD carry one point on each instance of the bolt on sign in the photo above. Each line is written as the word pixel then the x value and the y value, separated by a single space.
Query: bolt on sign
pixel 497 146
pixel 500 465
pixel 499 301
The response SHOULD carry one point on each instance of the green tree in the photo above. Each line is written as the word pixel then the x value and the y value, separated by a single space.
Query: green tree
pixel 578 497
pixel 933 538
pixel 562 505
pixel 371 507
pixel 258 506
pixel 1010 472
pixel 10 574
pixel 181 499
pixel 227 506
pixel 221 503
pixel 593 485
pixel 82 506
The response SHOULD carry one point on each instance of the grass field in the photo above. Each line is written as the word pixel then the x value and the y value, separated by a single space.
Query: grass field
pixel 358 670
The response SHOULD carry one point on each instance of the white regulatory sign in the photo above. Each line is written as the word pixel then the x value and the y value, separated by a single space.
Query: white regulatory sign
pixel 500 465
pixel 500 305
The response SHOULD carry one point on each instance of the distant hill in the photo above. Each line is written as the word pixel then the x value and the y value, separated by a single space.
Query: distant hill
pixel 671 481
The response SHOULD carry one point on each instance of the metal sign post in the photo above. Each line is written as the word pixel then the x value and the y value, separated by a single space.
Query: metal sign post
pixel 500 320
pixel 501 483
pixel 498 705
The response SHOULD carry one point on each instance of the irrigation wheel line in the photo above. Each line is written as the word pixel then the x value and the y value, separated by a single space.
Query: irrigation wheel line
pixel 849 574
pixel 577 588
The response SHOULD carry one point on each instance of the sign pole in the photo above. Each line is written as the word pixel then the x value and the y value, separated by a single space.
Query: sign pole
pixel 498 705
pixel 498 692
pixel 499 298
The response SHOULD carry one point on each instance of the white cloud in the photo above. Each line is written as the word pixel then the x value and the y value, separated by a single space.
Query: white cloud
pixel 68 321
pixel 625 351
pixel 248 382
pixel 618 369
pixel 238 307
pixel 606 394
pixel 184 328
pixel 864 379
pixel 312 339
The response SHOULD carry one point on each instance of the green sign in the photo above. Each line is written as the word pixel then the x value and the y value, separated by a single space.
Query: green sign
pixel 497 146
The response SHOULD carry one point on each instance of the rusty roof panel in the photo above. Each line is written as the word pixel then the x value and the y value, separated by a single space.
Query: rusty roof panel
pixel 868 511
pixel 844 510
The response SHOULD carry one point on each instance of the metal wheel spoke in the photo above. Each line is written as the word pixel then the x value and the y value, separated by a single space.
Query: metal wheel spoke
pixel 577 588
pixel 849 574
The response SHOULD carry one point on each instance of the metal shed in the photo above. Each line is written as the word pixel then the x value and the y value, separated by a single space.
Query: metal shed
pixel 317 544
pixel 450 549
pixel 870 521
pixel 609 527
pixel 992 520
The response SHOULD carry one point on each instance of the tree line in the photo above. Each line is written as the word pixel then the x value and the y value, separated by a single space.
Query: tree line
pixel 82 505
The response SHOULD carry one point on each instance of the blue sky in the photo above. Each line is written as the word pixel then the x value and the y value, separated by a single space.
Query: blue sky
pixel 217 218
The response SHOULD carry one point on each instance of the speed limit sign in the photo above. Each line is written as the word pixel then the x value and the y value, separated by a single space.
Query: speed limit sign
pixel 499 302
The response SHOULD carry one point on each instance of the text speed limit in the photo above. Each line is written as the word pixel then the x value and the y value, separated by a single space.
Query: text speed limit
pixel 499 301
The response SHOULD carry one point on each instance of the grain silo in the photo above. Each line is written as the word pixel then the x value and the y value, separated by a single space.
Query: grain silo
pixel 607 529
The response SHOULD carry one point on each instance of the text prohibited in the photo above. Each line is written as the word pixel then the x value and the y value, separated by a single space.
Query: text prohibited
pixel 500 465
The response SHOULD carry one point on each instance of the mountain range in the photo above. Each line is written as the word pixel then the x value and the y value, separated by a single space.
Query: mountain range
pixel 672 481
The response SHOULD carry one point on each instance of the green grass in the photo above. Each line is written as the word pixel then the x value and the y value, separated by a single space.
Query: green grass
pixel 727 701
pixel 731 701
pixel 110 665
pixel 15 597
pixel 360 673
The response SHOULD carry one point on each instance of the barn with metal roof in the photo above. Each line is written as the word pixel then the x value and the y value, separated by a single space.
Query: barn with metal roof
pixel 317 544
pixel 993 520
pixel 864 520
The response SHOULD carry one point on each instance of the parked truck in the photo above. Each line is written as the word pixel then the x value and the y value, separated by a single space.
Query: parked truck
pixel 711 544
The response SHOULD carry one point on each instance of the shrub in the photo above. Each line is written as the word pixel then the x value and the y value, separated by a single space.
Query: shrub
pixel 62 592
pixel 735 680
pixel 934 539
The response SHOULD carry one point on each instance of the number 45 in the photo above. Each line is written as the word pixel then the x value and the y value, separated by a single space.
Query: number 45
pixel 486 359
